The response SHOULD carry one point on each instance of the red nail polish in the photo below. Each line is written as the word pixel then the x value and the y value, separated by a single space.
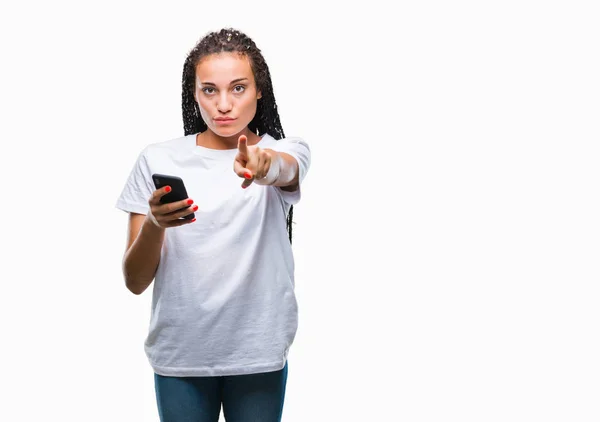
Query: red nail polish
pixel 244 186
pixel 168 189
pixel 247 175
pixel 193 219
pixel 190 202
pixel 195 208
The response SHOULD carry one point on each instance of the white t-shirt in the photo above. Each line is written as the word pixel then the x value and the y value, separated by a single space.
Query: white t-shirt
pixel 223 300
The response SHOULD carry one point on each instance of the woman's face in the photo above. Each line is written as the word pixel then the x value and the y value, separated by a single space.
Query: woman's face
pixel 226 92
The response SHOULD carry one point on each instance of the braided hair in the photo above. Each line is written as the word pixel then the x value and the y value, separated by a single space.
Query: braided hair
pixel 266 119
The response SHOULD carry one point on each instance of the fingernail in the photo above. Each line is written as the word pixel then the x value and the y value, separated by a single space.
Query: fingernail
pixel 247 175
pixel 190 202
pixel 168 189
pixel 193 219
pixel 195 208
pixel 244 186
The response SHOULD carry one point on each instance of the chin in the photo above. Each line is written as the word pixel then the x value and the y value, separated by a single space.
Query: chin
pixel 227 132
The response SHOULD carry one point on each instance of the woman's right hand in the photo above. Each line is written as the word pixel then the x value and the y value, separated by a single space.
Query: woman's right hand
pixel 167 215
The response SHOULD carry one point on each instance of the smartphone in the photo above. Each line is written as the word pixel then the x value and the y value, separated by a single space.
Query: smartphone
pixel 178 191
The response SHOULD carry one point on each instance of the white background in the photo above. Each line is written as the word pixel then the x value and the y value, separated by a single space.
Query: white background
pixel 446 244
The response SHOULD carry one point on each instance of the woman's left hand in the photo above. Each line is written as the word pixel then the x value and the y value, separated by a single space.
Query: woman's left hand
pixel 251 162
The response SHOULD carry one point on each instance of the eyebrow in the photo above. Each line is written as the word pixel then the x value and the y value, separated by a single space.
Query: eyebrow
pixel 230 83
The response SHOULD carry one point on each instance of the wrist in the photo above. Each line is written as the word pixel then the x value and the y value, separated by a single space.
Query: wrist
pixel 151 227
pixel 274 170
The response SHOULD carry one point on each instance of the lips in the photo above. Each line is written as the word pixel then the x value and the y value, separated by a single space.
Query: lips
pixel 224 121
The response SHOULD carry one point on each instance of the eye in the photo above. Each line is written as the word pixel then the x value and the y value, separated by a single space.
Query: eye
pixel 239 88
pixel 207 89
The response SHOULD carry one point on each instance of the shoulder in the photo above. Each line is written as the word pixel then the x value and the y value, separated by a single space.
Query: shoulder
pixel 167 147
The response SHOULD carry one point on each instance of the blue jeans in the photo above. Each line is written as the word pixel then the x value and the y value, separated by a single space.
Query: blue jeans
pixel 245 398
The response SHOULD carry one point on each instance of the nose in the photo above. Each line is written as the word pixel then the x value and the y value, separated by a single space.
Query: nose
pixel 224 104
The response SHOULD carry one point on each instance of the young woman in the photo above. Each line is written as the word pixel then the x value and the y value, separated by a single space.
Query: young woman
pixel 224 312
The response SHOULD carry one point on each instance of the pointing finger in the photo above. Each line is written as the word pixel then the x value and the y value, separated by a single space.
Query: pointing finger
pixel 242 145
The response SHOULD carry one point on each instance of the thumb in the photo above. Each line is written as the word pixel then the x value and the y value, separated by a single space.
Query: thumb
pixel 240 170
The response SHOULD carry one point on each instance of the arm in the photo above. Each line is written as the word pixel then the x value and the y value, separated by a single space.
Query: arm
pixel 146 236
pixel 142 256
pixel 289 175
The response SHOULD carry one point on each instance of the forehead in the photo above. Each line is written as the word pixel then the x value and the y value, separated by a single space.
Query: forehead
pixel 224 67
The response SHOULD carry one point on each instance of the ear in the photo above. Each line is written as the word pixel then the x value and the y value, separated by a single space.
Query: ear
pixel 258 95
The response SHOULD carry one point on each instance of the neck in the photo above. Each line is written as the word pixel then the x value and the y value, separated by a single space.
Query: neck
pixel 209 139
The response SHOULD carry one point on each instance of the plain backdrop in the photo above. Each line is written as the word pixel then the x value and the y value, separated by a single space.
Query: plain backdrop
pixel 446 244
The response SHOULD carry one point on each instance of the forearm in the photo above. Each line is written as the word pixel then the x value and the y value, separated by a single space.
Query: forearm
pixel 142 258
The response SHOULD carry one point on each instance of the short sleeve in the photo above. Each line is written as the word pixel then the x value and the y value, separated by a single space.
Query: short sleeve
pixel 299 149
pixel 138 188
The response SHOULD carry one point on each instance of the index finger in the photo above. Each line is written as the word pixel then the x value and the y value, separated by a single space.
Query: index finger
pixel 159 193
pixel 242 145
